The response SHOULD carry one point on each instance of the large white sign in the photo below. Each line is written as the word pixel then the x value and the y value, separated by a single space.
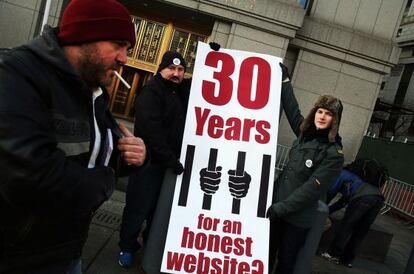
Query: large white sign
pixel 218 223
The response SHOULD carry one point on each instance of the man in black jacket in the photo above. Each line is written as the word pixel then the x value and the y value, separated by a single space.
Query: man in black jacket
pixel 60 147
pixel 160 112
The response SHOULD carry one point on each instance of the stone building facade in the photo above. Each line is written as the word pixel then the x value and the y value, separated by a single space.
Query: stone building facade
pixel 337 47
pixel 394 113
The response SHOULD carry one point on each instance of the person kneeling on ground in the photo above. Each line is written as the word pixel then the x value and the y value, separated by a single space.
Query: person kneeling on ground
pixel 360 185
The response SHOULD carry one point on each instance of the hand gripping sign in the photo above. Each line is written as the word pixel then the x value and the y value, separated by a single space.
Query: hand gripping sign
pixel 217 223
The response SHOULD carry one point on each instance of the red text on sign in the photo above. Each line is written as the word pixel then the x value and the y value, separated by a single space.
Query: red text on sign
pixel 248 96
pixel 207 264
pixel 232 128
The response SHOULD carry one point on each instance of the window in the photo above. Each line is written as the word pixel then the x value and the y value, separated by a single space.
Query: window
pixel 399 32
pixel 153 39
pixel 186 44
pixel 123 94
pixel 408 6
pixel 307 5
pixel 303 3
pixel 382 85
pixel 149 39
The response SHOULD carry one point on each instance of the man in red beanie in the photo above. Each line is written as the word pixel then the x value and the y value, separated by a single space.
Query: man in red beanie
pixel 60 147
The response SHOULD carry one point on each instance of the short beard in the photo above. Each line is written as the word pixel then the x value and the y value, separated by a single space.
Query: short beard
pixel 91 69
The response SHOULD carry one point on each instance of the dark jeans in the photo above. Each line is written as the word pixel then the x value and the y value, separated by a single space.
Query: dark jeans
pixel 285 240
pixel 359 215
pixel 141 199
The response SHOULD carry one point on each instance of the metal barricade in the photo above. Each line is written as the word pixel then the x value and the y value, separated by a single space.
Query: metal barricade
pixel 282 157
pixel 399 196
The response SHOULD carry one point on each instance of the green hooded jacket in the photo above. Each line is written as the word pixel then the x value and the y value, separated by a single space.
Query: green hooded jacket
pixel 312 167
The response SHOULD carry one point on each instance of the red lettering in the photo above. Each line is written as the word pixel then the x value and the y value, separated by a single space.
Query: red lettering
pixel 216 264
pixel 247 126
pixel 249 242
pixel 200 263
pixel 203 263
pixel 222 76
pixel 262 88
pixel 264 136
pixel 238 246
pixel 201 241
pixel 190 263
pixel 226 245
pixel 259 267
pixel 233 129
pixel 243 267
pixel 233 263
pixel 188 238
pixel 213 243
pixel 226 265
pixel 215 126
pixel 175 260
pixel 201 118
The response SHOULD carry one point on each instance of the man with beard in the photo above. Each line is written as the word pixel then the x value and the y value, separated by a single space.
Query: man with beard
pixel 60 147
pixel 160 112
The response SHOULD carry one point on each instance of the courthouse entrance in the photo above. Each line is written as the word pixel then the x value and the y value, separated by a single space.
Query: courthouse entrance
pixel 154 37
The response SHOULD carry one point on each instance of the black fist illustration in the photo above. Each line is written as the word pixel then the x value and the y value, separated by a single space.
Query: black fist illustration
pixel 210 180
pixel 239 185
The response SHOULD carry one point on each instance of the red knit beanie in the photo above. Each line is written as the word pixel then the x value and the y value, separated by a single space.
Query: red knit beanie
pixel 85 21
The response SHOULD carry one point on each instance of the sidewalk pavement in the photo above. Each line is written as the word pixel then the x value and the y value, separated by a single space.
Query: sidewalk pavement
pixel 100 255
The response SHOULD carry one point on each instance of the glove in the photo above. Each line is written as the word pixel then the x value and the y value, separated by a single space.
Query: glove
pixel 285 72
pixel 210 180
pixel 178 169
pixel 214 46
pixel 271 213
pixel 239 185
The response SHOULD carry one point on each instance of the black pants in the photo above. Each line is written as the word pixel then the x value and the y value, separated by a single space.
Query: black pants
pixel 359 215
pixel 141 200
pixel 285 240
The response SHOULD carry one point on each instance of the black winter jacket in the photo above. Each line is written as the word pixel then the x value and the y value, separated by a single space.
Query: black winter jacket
pixel 47 193
pixel 160 112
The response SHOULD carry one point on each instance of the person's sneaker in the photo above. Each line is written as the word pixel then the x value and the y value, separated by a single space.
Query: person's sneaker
pixel 330 258
pixel 125 259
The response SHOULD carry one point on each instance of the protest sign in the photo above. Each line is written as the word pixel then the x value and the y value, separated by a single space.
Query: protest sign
pixel 218 223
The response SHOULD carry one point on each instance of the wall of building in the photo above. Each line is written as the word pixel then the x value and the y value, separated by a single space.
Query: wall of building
pixel 340 47
pixel 398 86
pixel 391 82
pixel 20 20
pixel 345 49
pixel 377 18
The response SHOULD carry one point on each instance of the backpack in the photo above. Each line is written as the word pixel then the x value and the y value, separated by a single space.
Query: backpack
pixel 369 170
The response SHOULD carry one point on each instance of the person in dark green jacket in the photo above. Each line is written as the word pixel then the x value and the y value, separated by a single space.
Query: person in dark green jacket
pixel 315 161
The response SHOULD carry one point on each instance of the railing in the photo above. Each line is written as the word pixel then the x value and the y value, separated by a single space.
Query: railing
pixel 282 157
pixel 398 194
